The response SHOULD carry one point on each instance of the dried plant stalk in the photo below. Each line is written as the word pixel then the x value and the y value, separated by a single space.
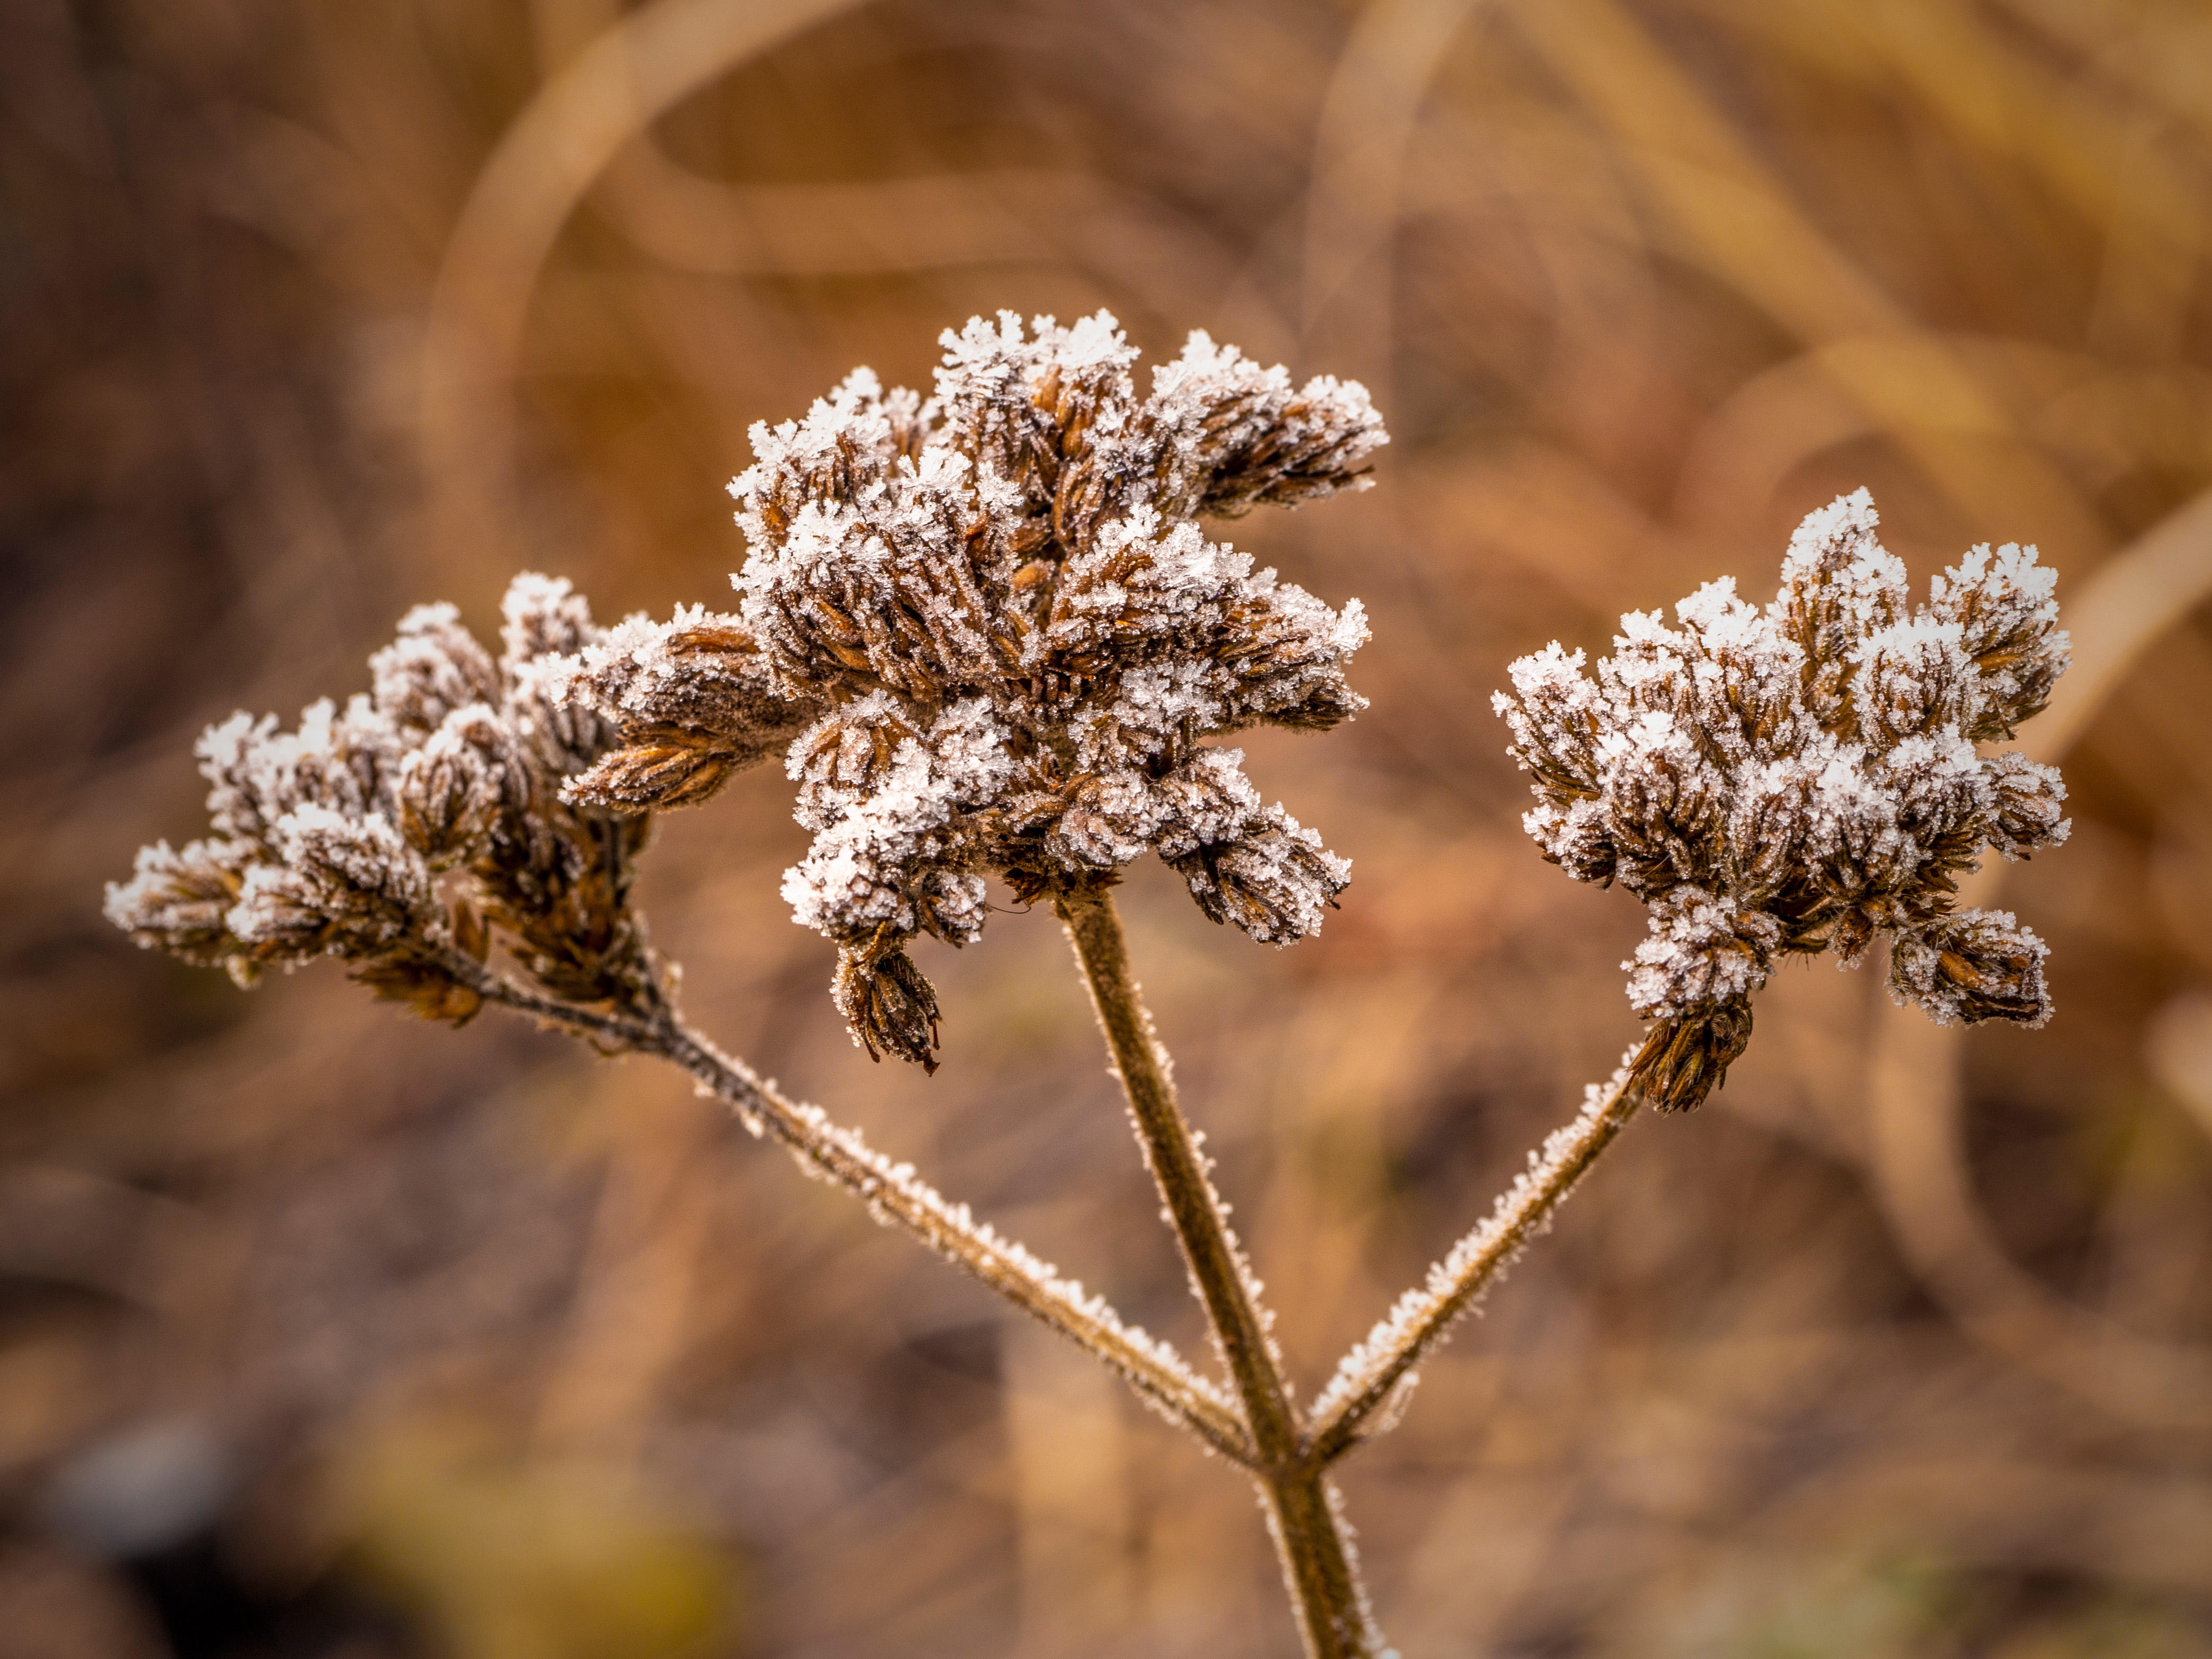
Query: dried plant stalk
pixel 1319 1565
pixel 1380 1370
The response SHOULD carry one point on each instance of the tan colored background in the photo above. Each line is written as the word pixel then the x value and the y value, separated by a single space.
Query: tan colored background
pixel 1902 1347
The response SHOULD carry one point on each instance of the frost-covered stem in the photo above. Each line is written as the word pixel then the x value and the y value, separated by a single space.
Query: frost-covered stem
pixel 895 1196
pixel 1319 1567
pixel 1373 1371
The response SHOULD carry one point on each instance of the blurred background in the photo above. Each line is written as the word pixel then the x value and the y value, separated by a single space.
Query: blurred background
pixel 323 1333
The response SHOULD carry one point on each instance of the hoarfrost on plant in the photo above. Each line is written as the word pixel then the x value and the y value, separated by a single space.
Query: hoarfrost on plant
pixel 995 640
pixel 1798 777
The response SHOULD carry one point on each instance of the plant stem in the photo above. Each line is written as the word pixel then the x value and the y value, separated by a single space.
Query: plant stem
pixel 1319 1567
pixel 1424 1316
pixel 895 1196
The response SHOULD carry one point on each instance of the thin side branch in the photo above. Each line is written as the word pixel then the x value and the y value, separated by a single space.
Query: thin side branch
pixel 1373 1372
pixel 1311 1537
pixel 895 1196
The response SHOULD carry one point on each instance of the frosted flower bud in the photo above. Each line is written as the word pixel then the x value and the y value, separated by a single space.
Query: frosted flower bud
pixel 1799 778
pixel 1002 640
pixel 179 900
pixel 434 667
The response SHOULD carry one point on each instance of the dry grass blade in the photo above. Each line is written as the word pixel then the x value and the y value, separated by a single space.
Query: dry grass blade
pixel 542 168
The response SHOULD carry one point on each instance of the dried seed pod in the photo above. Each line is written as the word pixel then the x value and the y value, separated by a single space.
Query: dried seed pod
pixel 1973 966
pixel 889 1005
pixel 1796 778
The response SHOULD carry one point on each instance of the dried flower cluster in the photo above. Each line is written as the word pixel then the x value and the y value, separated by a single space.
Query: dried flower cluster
pixel 995 640
pixel 989 637
pixel 412 823
pixel 1796 779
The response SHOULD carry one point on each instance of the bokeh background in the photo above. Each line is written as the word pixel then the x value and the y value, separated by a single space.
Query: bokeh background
pixel 324 1332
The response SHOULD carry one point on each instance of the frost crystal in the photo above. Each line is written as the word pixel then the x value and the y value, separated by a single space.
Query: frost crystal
pixel 1002 639
pixel 1792 779
pixel 412 823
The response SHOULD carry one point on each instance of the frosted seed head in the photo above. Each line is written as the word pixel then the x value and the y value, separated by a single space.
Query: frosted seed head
pixel 391 831
pixel 996 641
pixel 1704 950
pixel 1274 879
pixel 179 900
pixel 1240 437
pixel 2029 802
pixel 346 887
pixel 1911 678
pixel 2003 605
pixel 542 617
pixel 1838 585
pixel 1796 779
pixel 446 796
pixel 693 701
pixel 433 667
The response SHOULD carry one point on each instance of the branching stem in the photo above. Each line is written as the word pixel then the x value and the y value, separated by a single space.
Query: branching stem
pixel 1319 1566
pixel 896 1197
pixel 1262 1431
pixel 1424 1316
